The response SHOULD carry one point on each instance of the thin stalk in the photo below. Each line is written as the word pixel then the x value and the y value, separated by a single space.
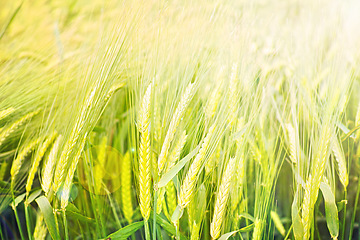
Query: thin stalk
pixel 289 231
pixel 50 197
pixel 177 231
pixel 56 203
pixel 10 20
pixel 354 213
pixel 28 223
pixel 206 226
pixel 1 233
pixel 86 207
pixel 315 226
pixel 154 218
pixel 98 207
pixel 147 231
pixel 81 230
pixel 91 190
pixel 98 231
pixel 18 223
pixel 344 217
pixel 113 208
pixel 15 212
pixel 65 225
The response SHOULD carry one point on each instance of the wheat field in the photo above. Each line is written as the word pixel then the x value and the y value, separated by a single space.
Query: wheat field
pixel 179 119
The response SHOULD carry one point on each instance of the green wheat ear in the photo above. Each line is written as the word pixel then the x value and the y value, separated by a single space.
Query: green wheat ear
pixel 15 125
pixel 6 112
pixel 144 155
pixel 36 161
pixel 126 183
pixel 222 199
pixel 18 161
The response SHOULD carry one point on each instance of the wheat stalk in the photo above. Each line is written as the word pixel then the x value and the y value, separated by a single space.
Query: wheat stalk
pixel 112 90
pixel 237 183
pixel 144 156
pixel 180 110
pixel 233 95
pixel 188 187
pixel 173 158
pixel 126 187
pixel 5 133
pixel 157 122
pixel 341 163
pixel 48 169
pixel 211 106
pixel 195 229
pixel 17 163
pixel 39 155
pixel 99 169
pixel 313 183
pixel 307 209
pixel 221 200
pixel 292 142
pixel 257 229
pixel 321 161
pixel 6 112
pixel 75 135
pixel 65 194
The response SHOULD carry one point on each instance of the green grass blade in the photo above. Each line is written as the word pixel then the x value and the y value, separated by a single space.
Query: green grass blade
pixel 165 179
pixel 331 211
pixel 168 227
pixel 126 232
pixel 49 217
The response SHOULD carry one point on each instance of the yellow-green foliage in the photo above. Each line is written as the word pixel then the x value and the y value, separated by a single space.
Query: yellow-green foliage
pixel 180 119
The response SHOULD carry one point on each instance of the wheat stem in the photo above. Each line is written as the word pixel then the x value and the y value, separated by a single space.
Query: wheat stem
pixel 180 110
pixel 188 187
pixel 39 155
pixel 221 200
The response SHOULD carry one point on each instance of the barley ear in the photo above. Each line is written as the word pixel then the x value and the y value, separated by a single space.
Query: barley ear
pixel 307 211
pixel 15 125
pixel 341 163
pixel 70 174
pixel 126 187
pixel 292 142
pixel 40 230
pixel 171 197
pixel 49 166
pixel 179 112
pixel 144 156
pixel 6 112
pixel 188 187
pixel 16 165
pixel 35 164
pixel 221 200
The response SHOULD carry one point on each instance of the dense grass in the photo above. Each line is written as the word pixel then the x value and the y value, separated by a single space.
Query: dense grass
pixel 179 119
